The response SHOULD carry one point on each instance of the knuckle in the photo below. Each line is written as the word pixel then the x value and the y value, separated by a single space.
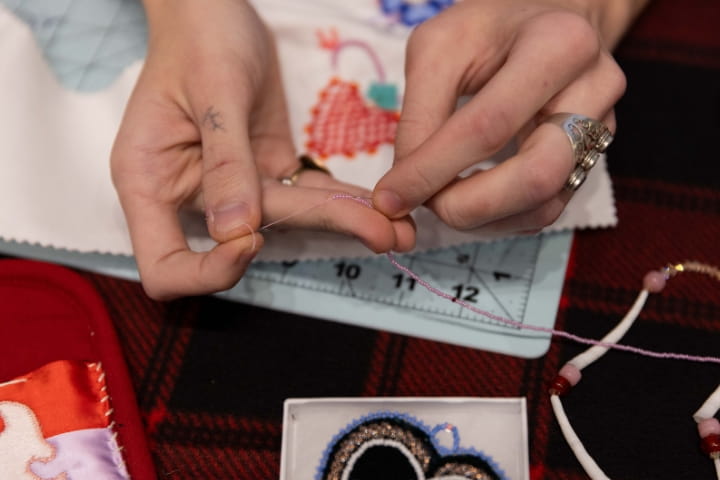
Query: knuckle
pixel 119 156
pixel 155 289
pixel 547 215
pixel 575 37
pixel 492 128
pixel 116 171
pixel 427 48
pixel 616 79
pixel 218 163
pixel 456 215
pixel 422 181
pixel 421 38
pixel 326 223
pixel 542 183
pixel 211 280
pixel 579 33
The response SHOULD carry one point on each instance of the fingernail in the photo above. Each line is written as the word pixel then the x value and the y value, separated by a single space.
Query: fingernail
pixel 227 218
pixel 388 202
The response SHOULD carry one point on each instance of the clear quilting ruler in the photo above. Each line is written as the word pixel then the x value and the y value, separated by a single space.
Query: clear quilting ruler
pixel 89 42
pixel 519 279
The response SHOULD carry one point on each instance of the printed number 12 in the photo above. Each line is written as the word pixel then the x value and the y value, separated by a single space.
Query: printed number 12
pixel 467 293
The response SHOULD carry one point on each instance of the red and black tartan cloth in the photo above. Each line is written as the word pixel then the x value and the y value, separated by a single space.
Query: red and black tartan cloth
pixel 211 376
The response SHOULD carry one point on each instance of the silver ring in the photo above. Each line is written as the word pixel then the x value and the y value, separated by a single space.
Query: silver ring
pixel 589 138
pixel 576 179
pixel 585 134
pixel 306 163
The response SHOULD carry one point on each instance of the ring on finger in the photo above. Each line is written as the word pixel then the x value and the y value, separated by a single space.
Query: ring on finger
pixel 585 134
pixel 306 163
pixel 588 137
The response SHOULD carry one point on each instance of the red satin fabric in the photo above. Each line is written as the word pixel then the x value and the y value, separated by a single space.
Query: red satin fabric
pixel 49 313
pixel 64 395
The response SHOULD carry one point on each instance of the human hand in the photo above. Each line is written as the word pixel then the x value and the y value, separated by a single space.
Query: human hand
pixel 522 60
pixel 206 127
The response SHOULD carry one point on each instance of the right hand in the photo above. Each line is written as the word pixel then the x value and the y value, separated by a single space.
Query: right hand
pixel 520 61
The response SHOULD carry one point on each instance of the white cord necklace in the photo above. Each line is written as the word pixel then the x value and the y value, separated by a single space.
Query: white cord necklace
pixel 569 375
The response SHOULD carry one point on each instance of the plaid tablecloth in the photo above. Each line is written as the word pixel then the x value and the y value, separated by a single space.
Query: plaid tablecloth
pixel 211 375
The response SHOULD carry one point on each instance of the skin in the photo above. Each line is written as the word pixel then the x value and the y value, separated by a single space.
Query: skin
pixel 206 128
pixel 520 60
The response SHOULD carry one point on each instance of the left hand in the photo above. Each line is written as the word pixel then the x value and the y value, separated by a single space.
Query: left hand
pixel 522 60
pixel 207 127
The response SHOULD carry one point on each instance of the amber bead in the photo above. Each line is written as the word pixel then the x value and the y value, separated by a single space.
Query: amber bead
pixel 559 386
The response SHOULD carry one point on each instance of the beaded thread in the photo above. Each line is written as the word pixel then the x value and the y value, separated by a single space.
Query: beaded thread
pixel 604 344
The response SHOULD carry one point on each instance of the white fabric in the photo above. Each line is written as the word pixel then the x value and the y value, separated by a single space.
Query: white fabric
pixel 55 180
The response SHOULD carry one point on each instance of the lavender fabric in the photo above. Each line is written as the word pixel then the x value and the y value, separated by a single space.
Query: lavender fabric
pixel 89 454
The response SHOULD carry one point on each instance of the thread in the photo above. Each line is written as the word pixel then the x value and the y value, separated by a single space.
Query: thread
pixel 602 345
pixel 300 212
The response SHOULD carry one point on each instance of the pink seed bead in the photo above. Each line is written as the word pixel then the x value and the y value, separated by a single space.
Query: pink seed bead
pixel 571 373
pixel 654 281
pixel 709 426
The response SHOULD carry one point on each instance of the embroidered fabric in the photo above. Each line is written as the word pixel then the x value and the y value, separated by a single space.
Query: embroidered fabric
pixel 55 211
pixel 56 422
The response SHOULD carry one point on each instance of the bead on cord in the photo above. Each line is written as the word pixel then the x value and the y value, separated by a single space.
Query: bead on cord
pixel 570 374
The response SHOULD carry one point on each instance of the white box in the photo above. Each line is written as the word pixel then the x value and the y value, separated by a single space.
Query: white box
pixel 497 427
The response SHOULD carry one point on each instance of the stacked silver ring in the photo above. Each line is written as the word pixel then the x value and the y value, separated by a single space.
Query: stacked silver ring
pixel 589 139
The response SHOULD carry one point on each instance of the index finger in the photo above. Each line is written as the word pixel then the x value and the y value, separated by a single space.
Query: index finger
pixel 168 268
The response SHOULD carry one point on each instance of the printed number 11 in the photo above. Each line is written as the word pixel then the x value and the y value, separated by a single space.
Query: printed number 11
pixel 400 278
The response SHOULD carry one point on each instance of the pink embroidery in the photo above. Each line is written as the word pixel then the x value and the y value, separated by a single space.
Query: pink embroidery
pixel 343 124
pixel 331 41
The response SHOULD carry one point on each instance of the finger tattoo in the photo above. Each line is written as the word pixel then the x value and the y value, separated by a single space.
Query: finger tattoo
pixel 213 119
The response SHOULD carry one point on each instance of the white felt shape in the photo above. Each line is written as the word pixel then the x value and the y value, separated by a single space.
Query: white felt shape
pixel 21 442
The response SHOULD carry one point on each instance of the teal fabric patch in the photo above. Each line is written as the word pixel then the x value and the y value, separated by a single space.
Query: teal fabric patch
pixel 385 95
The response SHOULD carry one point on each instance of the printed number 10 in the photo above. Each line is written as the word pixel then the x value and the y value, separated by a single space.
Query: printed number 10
pixel 350 271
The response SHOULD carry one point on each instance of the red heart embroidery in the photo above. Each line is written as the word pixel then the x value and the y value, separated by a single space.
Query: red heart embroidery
pixel 343 124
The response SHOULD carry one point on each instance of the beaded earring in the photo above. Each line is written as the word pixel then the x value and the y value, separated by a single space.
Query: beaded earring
pixel 394 445
pixel 569 375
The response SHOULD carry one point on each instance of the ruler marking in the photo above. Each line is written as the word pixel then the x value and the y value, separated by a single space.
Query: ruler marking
pixel 387 301
pixel 506 250
pixel 348 289
pixel 497 300
pixel 533 269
